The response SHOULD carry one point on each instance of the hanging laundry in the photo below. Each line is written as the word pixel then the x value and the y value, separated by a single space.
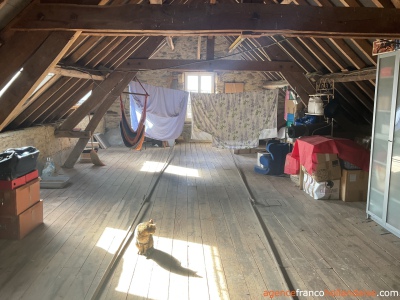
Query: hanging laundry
pixel 236 121
pixel 165 113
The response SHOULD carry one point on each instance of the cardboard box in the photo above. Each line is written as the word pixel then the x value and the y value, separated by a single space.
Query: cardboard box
pixel 326 167
pixel 354 185
pixel 292 165
pixel 14 202
pixel 321 190
pixel 17 227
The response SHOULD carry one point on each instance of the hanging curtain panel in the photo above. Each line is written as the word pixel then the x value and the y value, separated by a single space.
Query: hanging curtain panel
pixel 236 121
pixel 165 113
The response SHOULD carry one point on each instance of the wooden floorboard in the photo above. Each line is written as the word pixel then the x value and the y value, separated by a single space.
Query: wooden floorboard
pixel 209 242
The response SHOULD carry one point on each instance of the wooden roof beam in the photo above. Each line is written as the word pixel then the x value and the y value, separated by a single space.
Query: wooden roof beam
pixel 358 75
pixel 76 73
pixel 210 65
pixel 216 19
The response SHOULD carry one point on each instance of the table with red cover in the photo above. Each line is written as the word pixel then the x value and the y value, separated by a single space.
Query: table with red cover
pixel 346 149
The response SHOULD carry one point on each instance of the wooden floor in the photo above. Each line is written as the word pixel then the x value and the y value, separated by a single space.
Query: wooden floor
pixel 209 243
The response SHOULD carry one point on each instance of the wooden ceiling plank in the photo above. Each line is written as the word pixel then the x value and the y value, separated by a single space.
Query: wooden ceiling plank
pixel 41 90
pixel 35 69
pixel 362 45
pixel 38 102
pixel 39 115
pixel 301 85
pixel 319 55
pixel 96 51
pixel 63 108
pixel 396 3
pixel 365 86
pixel 126 53
pixel 112 57
pixel 354 22
pixel 332 55
pixel 299 48
pixel 75 46
pixel 348 52
pixel 71 92
pixel 82 50
pixel 357 107
pixel 293 53
pixel 106 51
pixel 213 65
pixel 368 103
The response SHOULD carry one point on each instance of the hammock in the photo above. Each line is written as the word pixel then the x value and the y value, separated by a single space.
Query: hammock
pixel 133 139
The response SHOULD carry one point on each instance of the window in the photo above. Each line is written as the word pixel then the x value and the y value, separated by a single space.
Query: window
pixel 198 82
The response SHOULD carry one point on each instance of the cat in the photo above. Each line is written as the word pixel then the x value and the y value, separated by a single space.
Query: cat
pixel 144 237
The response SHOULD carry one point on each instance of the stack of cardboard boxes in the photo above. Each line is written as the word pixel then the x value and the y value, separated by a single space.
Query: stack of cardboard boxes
pixel 330 181
pixel 21 209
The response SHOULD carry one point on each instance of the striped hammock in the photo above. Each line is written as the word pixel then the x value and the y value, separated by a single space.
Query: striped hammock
pixel 131 138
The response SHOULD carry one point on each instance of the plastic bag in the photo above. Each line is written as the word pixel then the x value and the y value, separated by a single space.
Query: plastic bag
pixel 49 168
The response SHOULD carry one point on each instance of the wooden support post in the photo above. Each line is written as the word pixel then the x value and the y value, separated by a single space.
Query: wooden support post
pixel 210 47
pixel 116 86
pixel 95 120
pixel 198 47
pixel 34 71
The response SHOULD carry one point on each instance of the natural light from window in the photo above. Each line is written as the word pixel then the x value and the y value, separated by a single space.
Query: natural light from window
pixel 153 166
pixel 10 82
pixel 198 82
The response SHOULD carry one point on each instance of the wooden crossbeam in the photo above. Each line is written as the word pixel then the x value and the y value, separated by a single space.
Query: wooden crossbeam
pixel 210 65
pixel 77 73
pixel 358 75
pixel 216 19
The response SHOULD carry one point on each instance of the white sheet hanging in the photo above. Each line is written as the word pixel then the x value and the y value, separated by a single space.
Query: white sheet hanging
pixel 166 110
pixel 236 121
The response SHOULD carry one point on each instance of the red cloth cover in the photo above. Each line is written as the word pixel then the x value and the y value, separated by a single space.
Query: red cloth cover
pixel 292 165
pixel 346 149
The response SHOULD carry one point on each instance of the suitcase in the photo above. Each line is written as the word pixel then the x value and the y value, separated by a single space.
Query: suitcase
pixel 16 162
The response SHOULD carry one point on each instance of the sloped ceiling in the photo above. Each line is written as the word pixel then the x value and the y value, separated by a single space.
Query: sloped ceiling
pixel 84 60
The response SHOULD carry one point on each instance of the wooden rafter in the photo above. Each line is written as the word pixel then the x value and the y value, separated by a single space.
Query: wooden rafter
pixel 217 19
pixel 213 65
pixel 27 112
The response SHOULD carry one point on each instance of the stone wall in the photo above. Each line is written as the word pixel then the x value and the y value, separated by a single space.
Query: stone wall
pixel 42 138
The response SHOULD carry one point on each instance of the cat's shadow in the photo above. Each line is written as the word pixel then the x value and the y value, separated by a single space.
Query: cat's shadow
pixel 170 263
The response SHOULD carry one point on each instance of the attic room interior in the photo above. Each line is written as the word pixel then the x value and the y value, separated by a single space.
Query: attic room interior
pixel 199 149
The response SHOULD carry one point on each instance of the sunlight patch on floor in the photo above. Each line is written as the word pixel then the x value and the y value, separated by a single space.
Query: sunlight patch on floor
pixel 151 278
pixel 153 166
